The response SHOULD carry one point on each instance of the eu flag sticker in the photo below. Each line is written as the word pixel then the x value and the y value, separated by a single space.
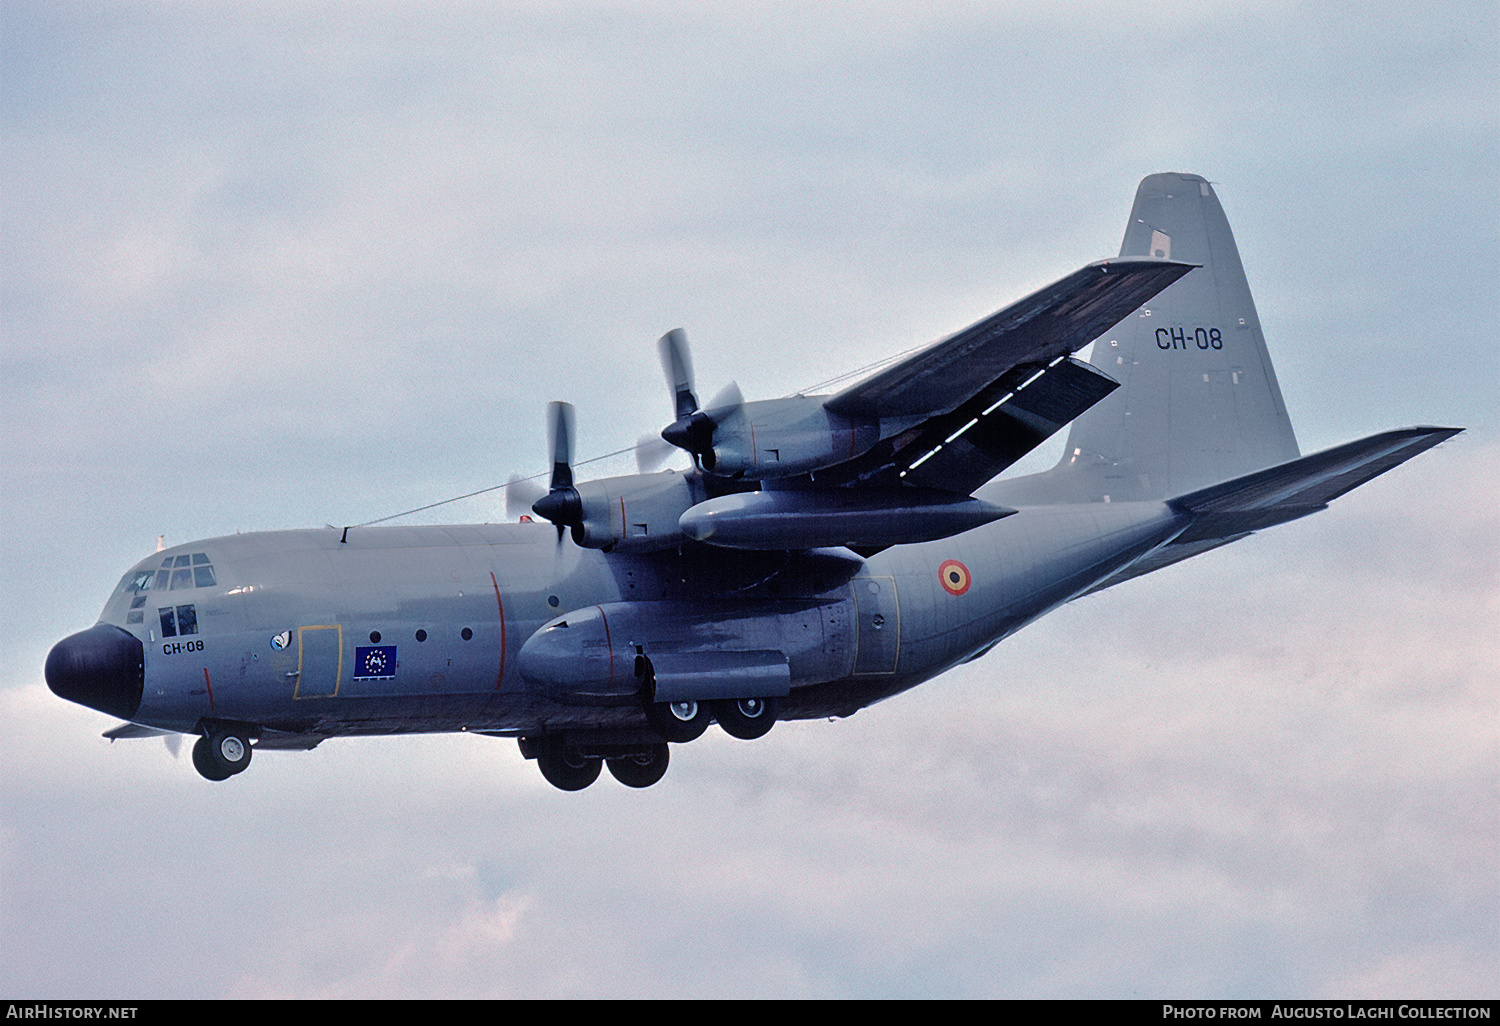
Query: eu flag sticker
pixel 376 662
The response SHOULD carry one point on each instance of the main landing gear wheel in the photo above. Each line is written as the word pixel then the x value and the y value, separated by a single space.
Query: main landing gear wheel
pixel 221 755
pixel 746 718
pixel 679 721
pixel 564 768
pixel 640 770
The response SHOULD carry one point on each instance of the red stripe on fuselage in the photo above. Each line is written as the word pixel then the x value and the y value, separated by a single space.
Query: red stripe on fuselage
pixel 500 608
pixel 608 642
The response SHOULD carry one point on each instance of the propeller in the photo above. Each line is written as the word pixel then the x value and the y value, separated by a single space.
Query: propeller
pixel 561 504
pixel 693 430
pixel 652 453
pixel 677 362
pixel 520 494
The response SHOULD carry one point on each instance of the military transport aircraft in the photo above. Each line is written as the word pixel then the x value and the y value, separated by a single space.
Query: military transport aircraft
pixel 823 552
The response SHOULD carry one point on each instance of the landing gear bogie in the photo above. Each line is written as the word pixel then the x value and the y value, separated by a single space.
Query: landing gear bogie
pixel 745 718
pixel 641 770
pixel 565 768
pixel 679 722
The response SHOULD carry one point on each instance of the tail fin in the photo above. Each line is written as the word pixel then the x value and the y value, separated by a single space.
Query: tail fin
pixel 1198 402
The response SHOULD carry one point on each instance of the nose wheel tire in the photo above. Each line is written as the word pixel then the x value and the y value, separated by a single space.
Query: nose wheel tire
pixel 745 718
pixel 564 768
pixel 679 721
pixel 220 755
pixel 640 770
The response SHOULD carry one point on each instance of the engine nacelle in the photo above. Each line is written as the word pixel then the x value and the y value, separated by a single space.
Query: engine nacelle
pixel 675 651
pixel 855 517
pixel 638 513
pixel 786 437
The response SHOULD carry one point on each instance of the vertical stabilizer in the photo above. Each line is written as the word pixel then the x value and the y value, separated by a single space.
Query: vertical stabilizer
pixel 1198 402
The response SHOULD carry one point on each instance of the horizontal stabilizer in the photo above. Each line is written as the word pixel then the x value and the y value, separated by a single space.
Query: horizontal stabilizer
pixel 1228 512
pixel 1310 483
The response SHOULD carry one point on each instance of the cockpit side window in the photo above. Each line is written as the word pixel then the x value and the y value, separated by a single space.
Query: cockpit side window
pixel 178 620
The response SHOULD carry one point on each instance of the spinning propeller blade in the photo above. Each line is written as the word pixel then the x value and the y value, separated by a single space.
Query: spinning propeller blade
pixel 677 362
pixel 693 430
pixel 652 453
pixel 520 494
pixel 561 504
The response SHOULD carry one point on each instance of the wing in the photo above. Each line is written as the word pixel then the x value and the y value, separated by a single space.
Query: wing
pixel 972 404
pixel 1053 322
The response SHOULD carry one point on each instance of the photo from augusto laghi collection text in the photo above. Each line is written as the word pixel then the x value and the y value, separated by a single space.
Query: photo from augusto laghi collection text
pixel 1326 1010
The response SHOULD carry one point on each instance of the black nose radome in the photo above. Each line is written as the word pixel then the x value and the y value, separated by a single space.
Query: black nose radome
pixel 102 668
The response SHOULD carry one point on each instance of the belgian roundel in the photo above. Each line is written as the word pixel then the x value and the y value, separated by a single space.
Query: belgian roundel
pixel 954 577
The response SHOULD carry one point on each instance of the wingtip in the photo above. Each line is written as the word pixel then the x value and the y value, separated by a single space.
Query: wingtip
pixel 1136 263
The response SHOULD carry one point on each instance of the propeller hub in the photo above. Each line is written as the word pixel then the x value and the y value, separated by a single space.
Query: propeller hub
pixel 562 506
pixel 694 433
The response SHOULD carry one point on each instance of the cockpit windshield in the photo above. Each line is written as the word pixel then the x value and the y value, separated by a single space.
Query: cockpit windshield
pixel 175 573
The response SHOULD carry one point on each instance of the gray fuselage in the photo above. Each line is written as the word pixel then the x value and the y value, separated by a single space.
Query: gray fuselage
pixel 420 629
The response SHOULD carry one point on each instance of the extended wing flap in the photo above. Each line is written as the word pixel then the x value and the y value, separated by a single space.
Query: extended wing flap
pixel 1007 432
pixel 1055 321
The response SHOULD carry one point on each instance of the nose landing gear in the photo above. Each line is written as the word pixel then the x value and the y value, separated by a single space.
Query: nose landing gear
pixel 222 752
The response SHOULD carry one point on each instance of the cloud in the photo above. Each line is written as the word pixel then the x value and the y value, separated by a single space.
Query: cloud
pixel 272 267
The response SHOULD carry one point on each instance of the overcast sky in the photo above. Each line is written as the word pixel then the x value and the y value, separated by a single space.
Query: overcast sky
pixel 274 265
